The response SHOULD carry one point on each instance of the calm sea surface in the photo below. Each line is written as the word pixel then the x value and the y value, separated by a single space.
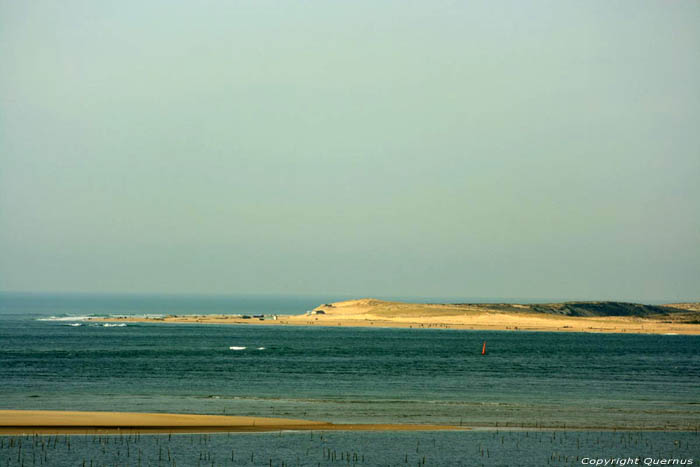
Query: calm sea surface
pixel 50 359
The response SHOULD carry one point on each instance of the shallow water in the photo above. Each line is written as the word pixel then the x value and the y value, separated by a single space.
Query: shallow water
pixel 495 448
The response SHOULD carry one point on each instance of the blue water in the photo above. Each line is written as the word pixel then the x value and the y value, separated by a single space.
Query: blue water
pixel 531 380
pixel 339 374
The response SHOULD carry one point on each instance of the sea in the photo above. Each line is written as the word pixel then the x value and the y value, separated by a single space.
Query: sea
pixel 534 398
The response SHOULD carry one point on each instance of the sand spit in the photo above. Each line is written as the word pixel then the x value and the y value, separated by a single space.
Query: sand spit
pixel 60 422
pixel 664 319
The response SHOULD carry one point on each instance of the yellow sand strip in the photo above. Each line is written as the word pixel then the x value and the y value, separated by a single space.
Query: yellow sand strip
pixel 377 313
pixel 48 421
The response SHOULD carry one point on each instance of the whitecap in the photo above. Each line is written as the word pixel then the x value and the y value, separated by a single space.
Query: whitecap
pixel 64 318
pixel 236 348
pixel 114 325
pixel 261 348
pixel 74 324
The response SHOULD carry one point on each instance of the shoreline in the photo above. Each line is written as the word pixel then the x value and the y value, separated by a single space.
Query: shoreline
pixel 18 422
pixel 476 317
pixel 53 422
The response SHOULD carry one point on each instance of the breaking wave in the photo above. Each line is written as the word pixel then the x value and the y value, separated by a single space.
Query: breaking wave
pixel 65 318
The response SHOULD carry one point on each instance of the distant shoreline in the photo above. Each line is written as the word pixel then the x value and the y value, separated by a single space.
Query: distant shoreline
pixel 671 319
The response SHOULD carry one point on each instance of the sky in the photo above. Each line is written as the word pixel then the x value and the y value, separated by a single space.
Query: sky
pixel 367 148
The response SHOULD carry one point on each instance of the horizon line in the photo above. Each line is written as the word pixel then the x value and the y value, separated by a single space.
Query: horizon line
pixel 343 296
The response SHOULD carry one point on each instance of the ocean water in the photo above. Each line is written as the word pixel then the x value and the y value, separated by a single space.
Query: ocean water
pixel 338 374
pixel 52 359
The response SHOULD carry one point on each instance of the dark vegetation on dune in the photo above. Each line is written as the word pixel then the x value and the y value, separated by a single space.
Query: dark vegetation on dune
pixel 605 308
pixel 601 309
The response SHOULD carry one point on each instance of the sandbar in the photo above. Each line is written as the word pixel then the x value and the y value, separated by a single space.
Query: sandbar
pixel 16 422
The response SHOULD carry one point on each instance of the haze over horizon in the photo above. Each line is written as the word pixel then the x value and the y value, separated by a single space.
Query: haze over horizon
pixel 418 149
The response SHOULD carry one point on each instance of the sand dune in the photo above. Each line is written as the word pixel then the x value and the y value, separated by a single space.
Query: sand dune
pixel 645 319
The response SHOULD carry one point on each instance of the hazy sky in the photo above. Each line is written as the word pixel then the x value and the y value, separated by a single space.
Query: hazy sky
pixel 461 149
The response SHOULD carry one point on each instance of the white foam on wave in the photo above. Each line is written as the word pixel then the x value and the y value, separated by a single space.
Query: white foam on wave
pixel 74 324
pixel 237 348
pixel 114 325
pixel 261 348
pixel 64 318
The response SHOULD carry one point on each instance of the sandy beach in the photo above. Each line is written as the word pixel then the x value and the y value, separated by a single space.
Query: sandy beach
pixel 378 313
pixel 73 422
